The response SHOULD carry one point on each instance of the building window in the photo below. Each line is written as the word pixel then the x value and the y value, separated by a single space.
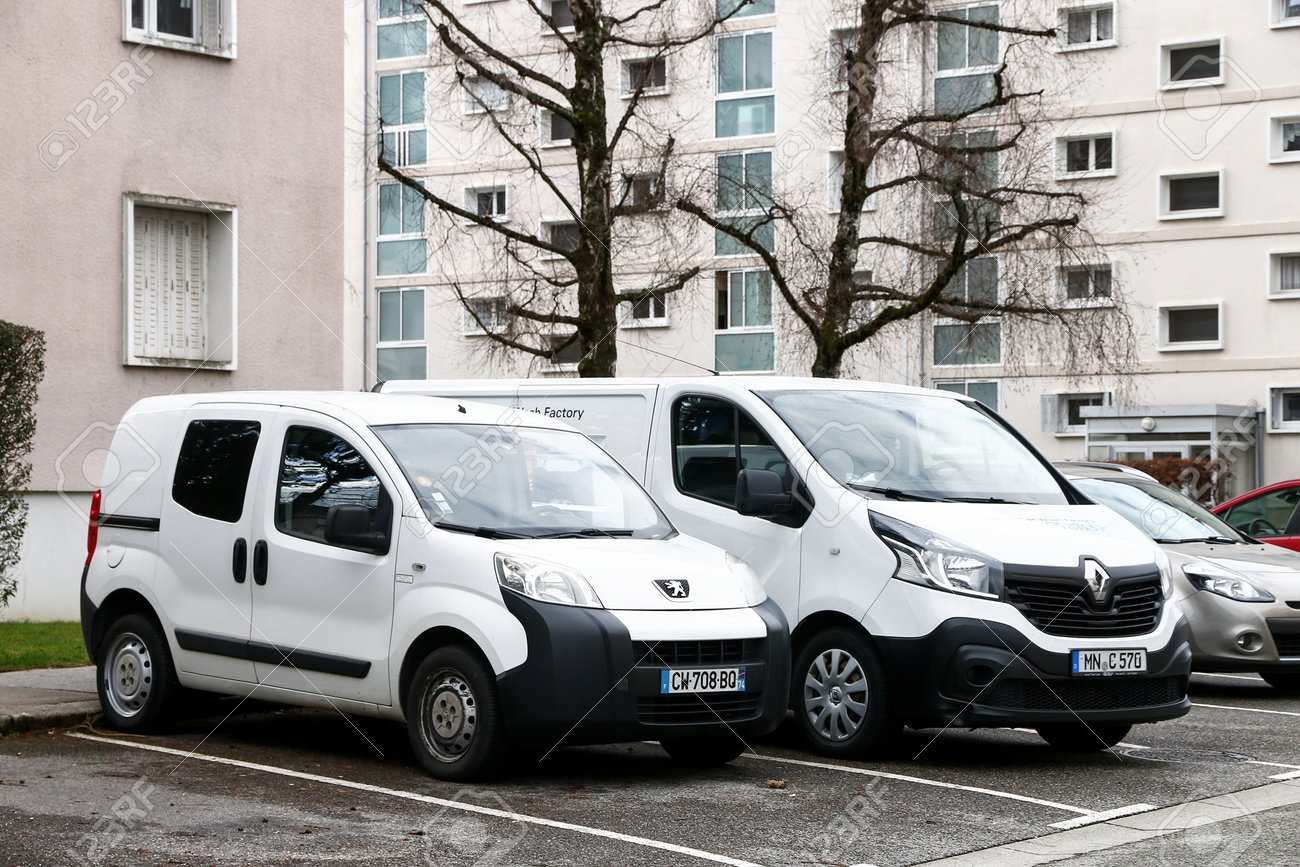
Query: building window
pixel 402 138
pixel 1063 413
pixel 971 159
pixel 983 390
pixel 968 59
pixel 180 276
pixel 745 8
pixel 566 235
pixel 1085 156
pixel 1191 196
pixel 400 247
pixel 487 202
pixel 492 313
pixel 975 287
pixel 1286 13
pixel 1284 279
pixel 402 30
pixel 1087 26
pixel 649 312
pixel 744 338
pixel 1193 63
pixel 1284 408
pixel 745 67
pixel 483 95
pixel 646 75
pixel 1284 139
pixel 841 42
pixel 556 130
pixel 835 182
pixel 400 351
pixel 1087 285
pixel 744 194
pixel 563 358
pixel 1191 327
pixel 205 26
pixel 559 16
pixel 643 190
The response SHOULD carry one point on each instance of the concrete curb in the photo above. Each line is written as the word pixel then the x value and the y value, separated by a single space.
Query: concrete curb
pixel 48 716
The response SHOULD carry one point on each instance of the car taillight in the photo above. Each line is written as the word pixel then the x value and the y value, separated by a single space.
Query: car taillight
pixel 92 532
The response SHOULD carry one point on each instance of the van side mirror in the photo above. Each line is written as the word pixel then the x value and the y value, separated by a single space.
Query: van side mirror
pixel 762 494
pixel 349 526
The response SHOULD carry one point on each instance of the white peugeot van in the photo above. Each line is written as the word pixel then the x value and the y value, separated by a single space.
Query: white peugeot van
pixel 491 577
pixel 936 570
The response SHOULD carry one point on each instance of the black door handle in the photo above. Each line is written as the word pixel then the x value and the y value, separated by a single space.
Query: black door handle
pixel 259 562
pixel 239 561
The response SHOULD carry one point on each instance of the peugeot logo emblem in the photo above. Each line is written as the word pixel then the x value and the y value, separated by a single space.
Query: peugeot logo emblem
pixel 1097 579
pixel 676 589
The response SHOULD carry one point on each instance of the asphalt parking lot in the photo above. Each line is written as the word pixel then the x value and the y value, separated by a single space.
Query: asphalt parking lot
pixel 268 786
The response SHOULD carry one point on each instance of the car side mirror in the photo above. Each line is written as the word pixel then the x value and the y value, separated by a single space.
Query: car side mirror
pixel 762 494
pixel 349 526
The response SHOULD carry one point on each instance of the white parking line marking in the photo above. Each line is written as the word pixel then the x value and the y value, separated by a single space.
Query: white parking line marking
pixel 922 781
pixel 429 799
pixel 1105 816
pixel 1247 709
pixel 1289 776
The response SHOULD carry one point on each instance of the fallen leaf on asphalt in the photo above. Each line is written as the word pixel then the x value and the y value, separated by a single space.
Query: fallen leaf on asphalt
pixel 776 784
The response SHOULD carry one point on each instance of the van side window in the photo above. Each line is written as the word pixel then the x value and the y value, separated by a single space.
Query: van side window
pixel 712 442
pixel 212 468
pixel 319 470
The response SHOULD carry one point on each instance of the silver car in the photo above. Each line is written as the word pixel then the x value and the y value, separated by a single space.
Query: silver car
pixel 1241 596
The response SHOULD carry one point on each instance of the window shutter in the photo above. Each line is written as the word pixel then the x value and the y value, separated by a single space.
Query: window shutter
pixel 193 333
pixel 146 278
pixel 170 278
pixel 210 30
pixel 1051 406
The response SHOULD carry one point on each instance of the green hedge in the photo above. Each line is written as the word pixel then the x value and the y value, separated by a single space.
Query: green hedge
pixel 22 364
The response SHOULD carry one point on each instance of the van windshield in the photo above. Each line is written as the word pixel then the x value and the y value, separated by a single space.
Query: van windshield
pixel 526 482
pixel 915 447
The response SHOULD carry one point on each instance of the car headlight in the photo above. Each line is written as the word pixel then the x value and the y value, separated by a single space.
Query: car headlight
pixel 932 560
pixel 1224 582
pixel 545 582
pixel 749 584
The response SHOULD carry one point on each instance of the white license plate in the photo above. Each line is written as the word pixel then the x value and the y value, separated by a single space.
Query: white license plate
pixel 1109 661
pixel 701 680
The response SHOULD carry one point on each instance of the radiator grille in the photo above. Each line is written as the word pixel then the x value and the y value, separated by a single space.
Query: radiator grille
pixel 1066 607
pixel 732 651
pixel 1108 693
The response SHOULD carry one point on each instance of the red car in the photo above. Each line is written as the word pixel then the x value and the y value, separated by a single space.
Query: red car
pixel 1268 513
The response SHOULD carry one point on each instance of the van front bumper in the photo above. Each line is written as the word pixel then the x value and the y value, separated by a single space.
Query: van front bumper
pixel 586 681
pixel 972 673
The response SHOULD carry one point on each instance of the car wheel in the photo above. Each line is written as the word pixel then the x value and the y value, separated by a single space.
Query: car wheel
pixel 1284 681
pixel 453 716
pixel 1081 738
pixel 136 678
pixel 840 699
pixel 704 752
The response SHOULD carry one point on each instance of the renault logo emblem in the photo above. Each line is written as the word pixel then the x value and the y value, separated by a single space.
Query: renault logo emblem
pixel 1097 579
pixel 677 589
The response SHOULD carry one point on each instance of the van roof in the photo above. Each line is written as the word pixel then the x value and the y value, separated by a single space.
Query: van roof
pixel 729 382
pixel 360 408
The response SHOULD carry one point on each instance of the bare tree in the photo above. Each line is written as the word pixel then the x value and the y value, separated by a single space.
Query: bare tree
pixel 558 282
pixel 942 187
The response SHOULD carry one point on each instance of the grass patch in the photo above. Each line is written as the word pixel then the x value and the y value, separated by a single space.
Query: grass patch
pixel 41 645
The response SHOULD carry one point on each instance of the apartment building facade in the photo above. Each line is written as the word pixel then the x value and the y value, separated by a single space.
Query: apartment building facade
pixel 179 219
pixel 1179 120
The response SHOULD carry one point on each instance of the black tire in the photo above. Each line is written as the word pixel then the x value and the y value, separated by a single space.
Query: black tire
pixel 453 716
pixel 1285 681
pixel 136 678
pixel 840 698
pixel 711 752
pixel 1076 737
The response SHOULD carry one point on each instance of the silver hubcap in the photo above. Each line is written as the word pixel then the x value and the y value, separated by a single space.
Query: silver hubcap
pixel 448 716
pixel 128 675
pixel 835 695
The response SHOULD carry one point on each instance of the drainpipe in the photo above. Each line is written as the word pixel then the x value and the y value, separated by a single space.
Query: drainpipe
pixel 367 276
pixel 1261 434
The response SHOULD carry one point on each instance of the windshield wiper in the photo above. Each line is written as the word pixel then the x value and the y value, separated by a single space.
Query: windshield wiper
pixel 1224 539
pixel 895 493
pixel 585 532
pixel 484 532
pixel 997 501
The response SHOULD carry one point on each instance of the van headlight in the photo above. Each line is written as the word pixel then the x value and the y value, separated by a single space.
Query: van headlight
pixel 936 561
pixel 1166 572
pixel 1225 582
pixel 545 582
pixel 750 586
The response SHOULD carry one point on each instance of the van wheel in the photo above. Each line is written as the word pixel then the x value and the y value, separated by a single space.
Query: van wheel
pixel 1080 738
pixel 453 716
pixel 839 696
pixel 1284 681
pixel 136 679
pixel 704 752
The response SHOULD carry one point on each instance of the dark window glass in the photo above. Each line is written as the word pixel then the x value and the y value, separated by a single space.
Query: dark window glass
pixel 565 235
pixel 561 14
pixel 1103 153
pixel 319 470
pixel 649 307
pixel 1194 194
pixel 1074 409
pixel 568 354
pixel 561 128
pixel 712 442
pixel 1266 515
pixel 1077 154
pixel 137 14
pixel 1195 325
pixel 1194 63
pixel 212 468
pixel 176 17
pixel 1291 406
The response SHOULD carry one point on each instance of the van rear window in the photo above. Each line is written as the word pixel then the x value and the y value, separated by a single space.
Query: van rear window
pixel 212 468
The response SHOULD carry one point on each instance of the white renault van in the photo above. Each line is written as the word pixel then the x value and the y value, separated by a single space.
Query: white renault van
pixel 491 577
pixel 936 569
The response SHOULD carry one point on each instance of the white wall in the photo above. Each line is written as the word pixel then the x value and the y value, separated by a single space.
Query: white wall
pixel 53 554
